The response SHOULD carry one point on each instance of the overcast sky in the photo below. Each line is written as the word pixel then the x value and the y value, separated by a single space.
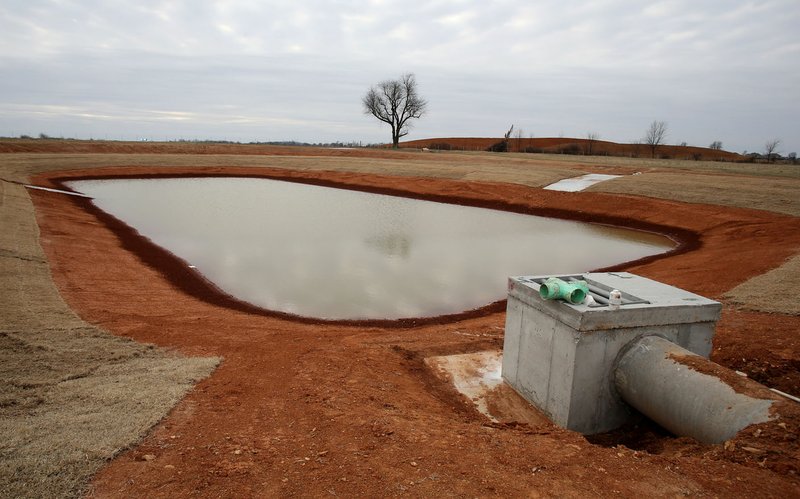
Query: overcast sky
pixel 724 70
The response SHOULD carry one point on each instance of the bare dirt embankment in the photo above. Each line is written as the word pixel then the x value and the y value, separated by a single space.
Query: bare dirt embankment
pixel 320 409
pixel 576 146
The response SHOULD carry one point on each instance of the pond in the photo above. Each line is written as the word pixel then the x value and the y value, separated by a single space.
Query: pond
pixel 339 254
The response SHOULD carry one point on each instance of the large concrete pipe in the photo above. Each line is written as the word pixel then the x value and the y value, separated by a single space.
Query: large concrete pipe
pixel 650 376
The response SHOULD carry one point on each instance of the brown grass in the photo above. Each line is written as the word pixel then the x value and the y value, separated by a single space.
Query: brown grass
pixel 781 195
pixel 19 167
pixel 72 395
pixel 646 164
pixel 775 291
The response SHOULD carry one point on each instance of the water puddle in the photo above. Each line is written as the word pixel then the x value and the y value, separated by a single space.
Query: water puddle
pixel 346 255
pixel 576 184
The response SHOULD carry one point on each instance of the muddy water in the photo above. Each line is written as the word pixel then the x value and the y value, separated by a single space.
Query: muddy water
pixel 339 254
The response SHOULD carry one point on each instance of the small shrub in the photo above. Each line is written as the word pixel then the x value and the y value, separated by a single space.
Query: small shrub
pixel 570 149
pixel 501 146
pixel 533 150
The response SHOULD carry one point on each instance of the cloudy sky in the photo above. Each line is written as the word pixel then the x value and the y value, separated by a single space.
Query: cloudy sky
pixel 247 70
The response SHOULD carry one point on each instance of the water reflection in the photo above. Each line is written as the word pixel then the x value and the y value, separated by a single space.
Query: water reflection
pixel 391 245
pixel 339 254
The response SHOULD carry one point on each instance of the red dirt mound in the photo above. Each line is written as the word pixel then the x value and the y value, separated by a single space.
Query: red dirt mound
pixel 564 145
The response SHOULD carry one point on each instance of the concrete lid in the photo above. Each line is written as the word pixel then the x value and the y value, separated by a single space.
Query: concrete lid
pixel 646 302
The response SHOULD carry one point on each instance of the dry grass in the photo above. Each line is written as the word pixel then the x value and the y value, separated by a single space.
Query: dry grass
pixel 72 395
pixel 766 187
pixel 781 195
pixel 771 292
pixel 18 167
pixel 645 164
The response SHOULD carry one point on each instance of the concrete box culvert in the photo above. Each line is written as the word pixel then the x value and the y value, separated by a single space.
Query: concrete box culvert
pixel 561 357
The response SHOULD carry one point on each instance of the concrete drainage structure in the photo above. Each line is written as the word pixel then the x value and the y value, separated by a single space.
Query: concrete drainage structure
pixel 585 365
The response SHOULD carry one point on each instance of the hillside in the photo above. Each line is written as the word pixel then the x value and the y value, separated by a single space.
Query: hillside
pixel 566 145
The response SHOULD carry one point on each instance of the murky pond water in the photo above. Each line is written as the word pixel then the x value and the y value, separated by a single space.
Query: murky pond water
pixel 340 254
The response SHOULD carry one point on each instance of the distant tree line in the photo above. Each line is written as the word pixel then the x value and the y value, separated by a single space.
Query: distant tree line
pixel 350 144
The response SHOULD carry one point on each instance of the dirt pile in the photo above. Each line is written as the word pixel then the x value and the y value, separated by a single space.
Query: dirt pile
pixel 574 146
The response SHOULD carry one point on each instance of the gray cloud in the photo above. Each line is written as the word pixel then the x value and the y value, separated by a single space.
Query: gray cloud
pixel 259 70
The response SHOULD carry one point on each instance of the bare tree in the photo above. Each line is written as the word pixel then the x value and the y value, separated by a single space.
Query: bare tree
pixel 518 136
pixel 502 146
pixel 716 145
pixel 655 135
pixel 637 145
pixel 770 147
pixel 395 102
pixel 591 138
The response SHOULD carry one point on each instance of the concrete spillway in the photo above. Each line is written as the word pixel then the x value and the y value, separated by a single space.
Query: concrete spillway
pixel 576 184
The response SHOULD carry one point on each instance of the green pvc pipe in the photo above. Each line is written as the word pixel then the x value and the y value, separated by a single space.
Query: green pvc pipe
pixel 556 289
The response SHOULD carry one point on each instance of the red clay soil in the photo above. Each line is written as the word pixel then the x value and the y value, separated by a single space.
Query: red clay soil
pixel 566 145
pixel 318 409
